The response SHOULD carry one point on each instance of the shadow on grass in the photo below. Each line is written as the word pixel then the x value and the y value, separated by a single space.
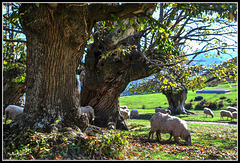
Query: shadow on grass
pixel 135 126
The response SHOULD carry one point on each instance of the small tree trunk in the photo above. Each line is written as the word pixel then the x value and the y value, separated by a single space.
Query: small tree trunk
pixel 176 101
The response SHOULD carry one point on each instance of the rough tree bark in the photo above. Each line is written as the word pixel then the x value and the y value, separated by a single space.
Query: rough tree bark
pixel 176 101
pixel 106 79
pixel 56 37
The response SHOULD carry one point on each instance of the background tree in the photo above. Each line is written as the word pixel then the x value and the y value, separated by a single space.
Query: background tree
pixel 14 57
pixel 158 42
pixel 174 82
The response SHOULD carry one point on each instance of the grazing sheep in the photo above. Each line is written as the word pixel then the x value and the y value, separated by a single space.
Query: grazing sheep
pixel 133 113
pixel 164 123
pixel 231 109
pixel 208 111
pixel 12 111
pixel 162 110
pixel 225 113
pixel 90 113
pixel 234 114
pixel 125 113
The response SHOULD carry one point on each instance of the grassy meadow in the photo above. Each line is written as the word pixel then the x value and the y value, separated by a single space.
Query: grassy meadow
pixel 209 141
pixel 146 103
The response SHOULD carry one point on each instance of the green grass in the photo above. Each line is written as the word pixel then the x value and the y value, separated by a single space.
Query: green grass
pixel 150 101
pixel 209 142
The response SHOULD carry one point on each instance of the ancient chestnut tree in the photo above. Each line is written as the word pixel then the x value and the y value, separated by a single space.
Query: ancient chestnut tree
pixel 56 37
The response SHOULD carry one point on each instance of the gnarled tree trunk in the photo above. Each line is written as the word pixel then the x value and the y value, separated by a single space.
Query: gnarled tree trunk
pixel 176 101
pixel 56 37
pixel 106 79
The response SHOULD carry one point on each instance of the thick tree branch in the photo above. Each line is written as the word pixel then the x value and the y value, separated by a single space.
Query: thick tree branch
pixel 11 40
pixel 104 11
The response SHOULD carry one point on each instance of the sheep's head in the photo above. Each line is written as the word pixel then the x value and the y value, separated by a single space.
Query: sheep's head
pixel 188 140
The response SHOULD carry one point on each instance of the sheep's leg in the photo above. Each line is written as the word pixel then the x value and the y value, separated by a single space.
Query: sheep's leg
pixel 149 135
pixel 170 137
pixel 158 135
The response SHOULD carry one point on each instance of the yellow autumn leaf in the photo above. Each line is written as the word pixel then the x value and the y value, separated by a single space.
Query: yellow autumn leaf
pixel 165 81
pixel 166 35
pixel 4 62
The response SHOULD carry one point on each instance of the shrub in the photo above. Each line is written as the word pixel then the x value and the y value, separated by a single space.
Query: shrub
pixel 204 103
pixel 189 106
pixel 222 97
pixel 212 105
pixel 220 104
pixel 234 104
pixel 200 105
pixel 229 100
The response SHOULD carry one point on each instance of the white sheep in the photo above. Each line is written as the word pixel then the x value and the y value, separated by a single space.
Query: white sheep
pixel 164 123
pixel 89 111
pixel 234 114
pixel 162 110
pixel 134 113
pixel 125 113
pixel 231 109
pixel 208 111
pixel 12 111
pixel 225 113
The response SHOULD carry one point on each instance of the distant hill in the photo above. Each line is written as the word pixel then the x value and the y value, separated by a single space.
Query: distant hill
pixel 201 59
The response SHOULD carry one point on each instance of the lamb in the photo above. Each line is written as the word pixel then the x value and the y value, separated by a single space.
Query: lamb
pixel 90 113
pixel 133 113
pixel 234 114
pixel 164 123
pixel 231 109
pixel 208 111
pixel 125 113
pixel 225 113
pixel 12 111
pixel 162 110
